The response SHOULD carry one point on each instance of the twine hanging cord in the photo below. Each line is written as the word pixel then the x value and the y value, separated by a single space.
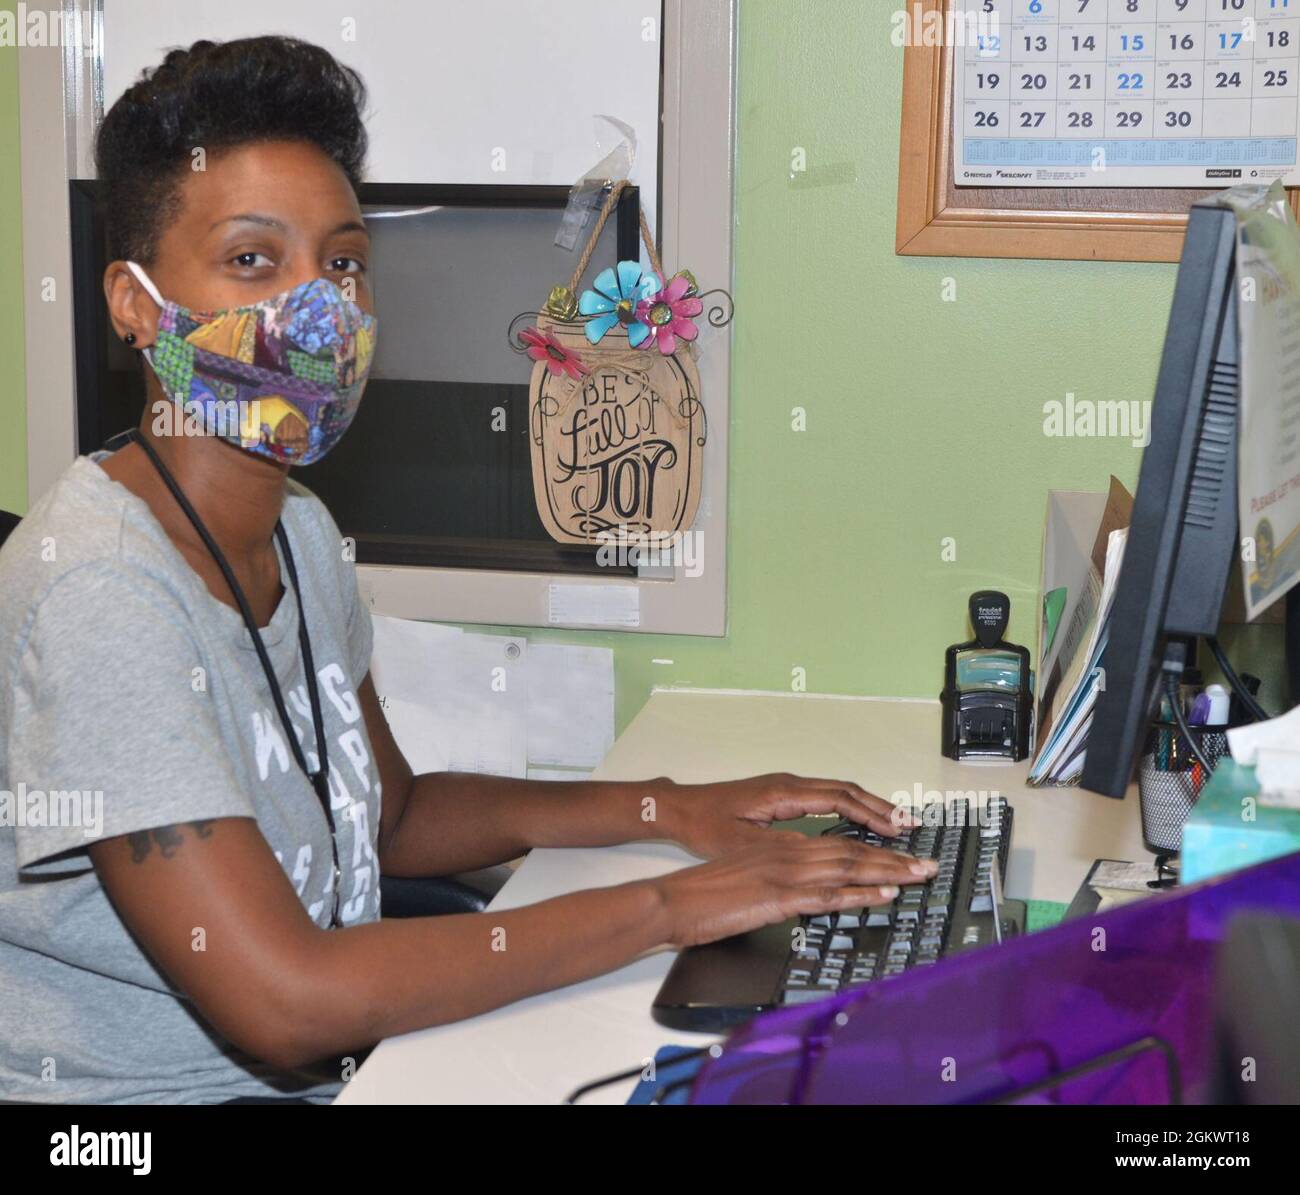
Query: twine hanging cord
pixel 611 200
pixel 633 361
pixel 719 315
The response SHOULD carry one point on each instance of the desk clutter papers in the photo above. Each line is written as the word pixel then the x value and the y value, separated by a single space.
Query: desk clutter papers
pixel 1117 875
pixel 493 704
pixel 1111 883
pixel 1063 749
pixel 1083 549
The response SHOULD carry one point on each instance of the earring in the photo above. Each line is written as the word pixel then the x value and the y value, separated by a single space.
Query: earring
pixel 129 338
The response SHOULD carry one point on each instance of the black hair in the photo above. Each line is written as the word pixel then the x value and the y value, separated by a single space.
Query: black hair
pixel 216 96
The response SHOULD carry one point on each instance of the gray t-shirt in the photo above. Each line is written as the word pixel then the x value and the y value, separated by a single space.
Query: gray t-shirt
pixel 131 697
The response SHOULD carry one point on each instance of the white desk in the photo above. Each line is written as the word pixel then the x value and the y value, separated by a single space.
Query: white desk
pixel 539 1050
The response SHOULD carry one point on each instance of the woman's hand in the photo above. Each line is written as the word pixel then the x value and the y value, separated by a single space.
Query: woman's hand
pixel 713 819
pixel 784 874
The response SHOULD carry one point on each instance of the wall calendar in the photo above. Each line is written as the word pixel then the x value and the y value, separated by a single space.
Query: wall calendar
pixel 1125 93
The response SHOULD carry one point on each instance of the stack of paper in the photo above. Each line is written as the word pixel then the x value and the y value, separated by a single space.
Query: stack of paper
pixel 1064 724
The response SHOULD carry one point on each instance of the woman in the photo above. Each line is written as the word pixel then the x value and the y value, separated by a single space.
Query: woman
pixel 182 634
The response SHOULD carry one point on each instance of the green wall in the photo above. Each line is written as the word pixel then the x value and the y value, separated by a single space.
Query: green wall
pixel 13 403
pixel 923 417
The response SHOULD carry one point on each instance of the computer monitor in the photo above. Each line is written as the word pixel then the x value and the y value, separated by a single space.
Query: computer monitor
pixel 1182 540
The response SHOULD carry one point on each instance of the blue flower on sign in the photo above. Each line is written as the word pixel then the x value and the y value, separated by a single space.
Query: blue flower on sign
pixel 614 299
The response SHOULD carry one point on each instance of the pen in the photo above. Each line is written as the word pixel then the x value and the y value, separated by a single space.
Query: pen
pixel 1162 735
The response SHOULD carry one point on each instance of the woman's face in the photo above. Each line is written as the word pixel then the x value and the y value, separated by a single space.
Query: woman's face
pixel 259 219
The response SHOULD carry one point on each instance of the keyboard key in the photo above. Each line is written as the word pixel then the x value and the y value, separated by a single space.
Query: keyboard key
pixel 863 945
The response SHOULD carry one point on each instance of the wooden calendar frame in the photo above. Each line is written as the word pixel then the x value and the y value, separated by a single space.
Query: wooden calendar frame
pixel 938 219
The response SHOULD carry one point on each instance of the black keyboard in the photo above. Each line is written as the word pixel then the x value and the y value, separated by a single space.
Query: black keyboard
pixel 714 987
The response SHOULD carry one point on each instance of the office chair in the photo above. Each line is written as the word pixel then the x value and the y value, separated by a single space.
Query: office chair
pixel 1257 982
pixel 402 897
pixel 435 896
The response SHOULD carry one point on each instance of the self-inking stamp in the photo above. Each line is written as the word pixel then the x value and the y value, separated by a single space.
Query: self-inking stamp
pixel 987 703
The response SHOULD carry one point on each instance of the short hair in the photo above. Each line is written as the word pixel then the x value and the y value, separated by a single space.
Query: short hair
pixel 217 96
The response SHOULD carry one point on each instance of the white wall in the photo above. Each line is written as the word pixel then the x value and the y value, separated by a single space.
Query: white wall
pixel 451 82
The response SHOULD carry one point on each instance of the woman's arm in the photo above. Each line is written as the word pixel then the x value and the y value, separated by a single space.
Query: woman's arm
pixel 211 906
pixel 446 822
pixel 441 823
pixel 456 821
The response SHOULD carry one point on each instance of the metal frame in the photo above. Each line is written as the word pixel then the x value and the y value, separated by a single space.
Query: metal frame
pixel 60 94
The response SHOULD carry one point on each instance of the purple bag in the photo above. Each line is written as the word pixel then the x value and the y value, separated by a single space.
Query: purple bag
pixel 1105 1009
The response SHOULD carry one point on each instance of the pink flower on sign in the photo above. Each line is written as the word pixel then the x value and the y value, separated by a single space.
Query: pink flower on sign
pixel 668 315
pixel 558 359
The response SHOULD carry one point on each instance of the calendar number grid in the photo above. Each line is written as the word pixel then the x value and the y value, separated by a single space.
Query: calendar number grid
pixel 1132 83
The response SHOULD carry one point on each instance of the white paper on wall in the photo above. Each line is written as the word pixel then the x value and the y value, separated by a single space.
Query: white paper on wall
pixel 493 704
pixel 570 705
pixel 454 701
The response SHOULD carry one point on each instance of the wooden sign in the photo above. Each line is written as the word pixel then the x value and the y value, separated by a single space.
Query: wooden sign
pixel 617 451
pixel 617 423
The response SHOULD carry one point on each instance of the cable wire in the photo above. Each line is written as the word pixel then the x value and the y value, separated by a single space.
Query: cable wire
pixel 1239 687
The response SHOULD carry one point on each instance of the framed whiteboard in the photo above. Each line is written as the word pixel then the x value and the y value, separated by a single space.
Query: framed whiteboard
pixel 489 92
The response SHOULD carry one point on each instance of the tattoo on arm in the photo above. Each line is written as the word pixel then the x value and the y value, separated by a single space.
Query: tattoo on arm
pixel 167 839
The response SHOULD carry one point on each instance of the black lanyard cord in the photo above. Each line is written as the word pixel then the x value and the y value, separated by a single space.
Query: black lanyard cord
pixel 320 778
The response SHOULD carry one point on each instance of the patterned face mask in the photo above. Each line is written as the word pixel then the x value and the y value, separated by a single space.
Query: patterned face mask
pixel 282 378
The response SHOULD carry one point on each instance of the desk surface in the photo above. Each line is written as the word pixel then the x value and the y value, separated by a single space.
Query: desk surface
pixel 540 1049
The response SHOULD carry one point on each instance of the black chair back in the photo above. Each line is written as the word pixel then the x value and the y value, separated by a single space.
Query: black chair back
pixel 7 523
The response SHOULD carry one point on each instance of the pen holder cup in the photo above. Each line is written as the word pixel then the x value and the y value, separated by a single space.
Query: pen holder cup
pixel 1170 780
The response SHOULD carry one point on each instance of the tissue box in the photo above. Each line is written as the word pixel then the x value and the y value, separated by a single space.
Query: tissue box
pixel 1216 837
